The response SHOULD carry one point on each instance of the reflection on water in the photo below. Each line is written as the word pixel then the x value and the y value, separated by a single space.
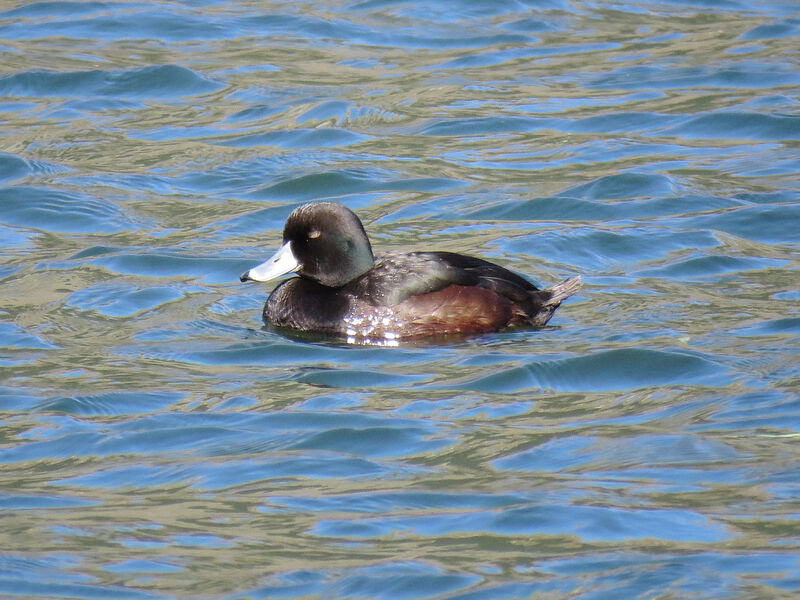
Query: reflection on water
pixel 158 443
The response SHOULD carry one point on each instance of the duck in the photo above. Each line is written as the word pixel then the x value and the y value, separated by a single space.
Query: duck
pixel 342 289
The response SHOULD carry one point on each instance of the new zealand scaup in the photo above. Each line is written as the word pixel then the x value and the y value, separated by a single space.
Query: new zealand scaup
pixel 343 290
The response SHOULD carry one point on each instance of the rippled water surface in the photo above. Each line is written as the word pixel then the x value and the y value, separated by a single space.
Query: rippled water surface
pixel 158 443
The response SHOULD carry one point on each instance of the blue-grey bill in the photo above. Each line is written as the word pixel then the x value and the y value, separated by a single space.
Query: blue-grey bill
pixel 281 263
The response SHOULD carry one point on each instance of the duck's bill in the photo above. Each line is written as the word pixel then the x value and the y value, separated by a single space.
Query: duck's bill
pixel 281 263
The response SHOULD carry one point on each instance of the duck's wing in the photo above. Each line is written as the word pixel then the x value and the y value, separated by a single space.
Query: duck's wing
pixel 489 275
pixel 397 277
pixel 529 302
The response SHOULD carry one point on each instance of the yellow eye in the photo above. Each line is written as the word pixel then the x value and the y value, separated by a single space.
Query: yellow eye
pixel 314 234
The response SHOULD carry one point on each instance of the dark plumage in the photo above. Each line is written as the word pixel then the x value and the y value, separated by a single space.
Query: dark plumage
pixel 342 290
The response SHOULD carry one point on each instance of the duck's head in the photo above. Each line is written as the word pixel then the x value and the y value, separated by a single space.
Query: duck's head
pixel 322 241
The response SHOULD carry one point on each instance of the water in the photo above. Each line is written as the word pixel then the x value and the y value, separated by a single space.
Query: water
pixel 157 443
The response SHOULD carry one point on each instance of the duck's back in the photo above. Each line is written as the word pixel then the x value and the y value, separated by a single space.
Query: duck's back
pixel 455 293
pixel 396 277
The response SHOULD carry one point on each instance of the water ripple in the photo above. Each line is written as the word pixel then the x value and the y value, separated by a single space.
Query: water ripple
pixel 158 442
pixel 144 82
pixel 611 370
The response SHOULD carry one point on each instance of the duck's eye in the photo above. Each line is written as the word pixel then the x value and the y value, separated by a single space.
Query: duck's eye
pixel 314 234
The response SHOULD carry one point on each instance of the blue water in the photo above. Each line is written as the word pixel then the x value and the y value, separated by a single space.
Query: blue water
pixel 158 443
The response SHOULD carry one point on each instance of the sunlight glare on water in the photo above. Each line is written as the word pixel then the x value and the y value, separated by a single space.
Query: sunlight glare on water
pixel 157 442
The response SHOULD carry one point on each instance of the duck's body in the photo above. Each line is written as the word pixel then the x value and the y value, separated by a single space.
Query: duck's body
pixel 342 290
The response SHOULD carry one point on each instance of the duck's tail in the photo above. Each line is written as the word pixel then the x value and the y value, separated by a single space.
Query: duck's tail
pixel 563 290
pixel 550 299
